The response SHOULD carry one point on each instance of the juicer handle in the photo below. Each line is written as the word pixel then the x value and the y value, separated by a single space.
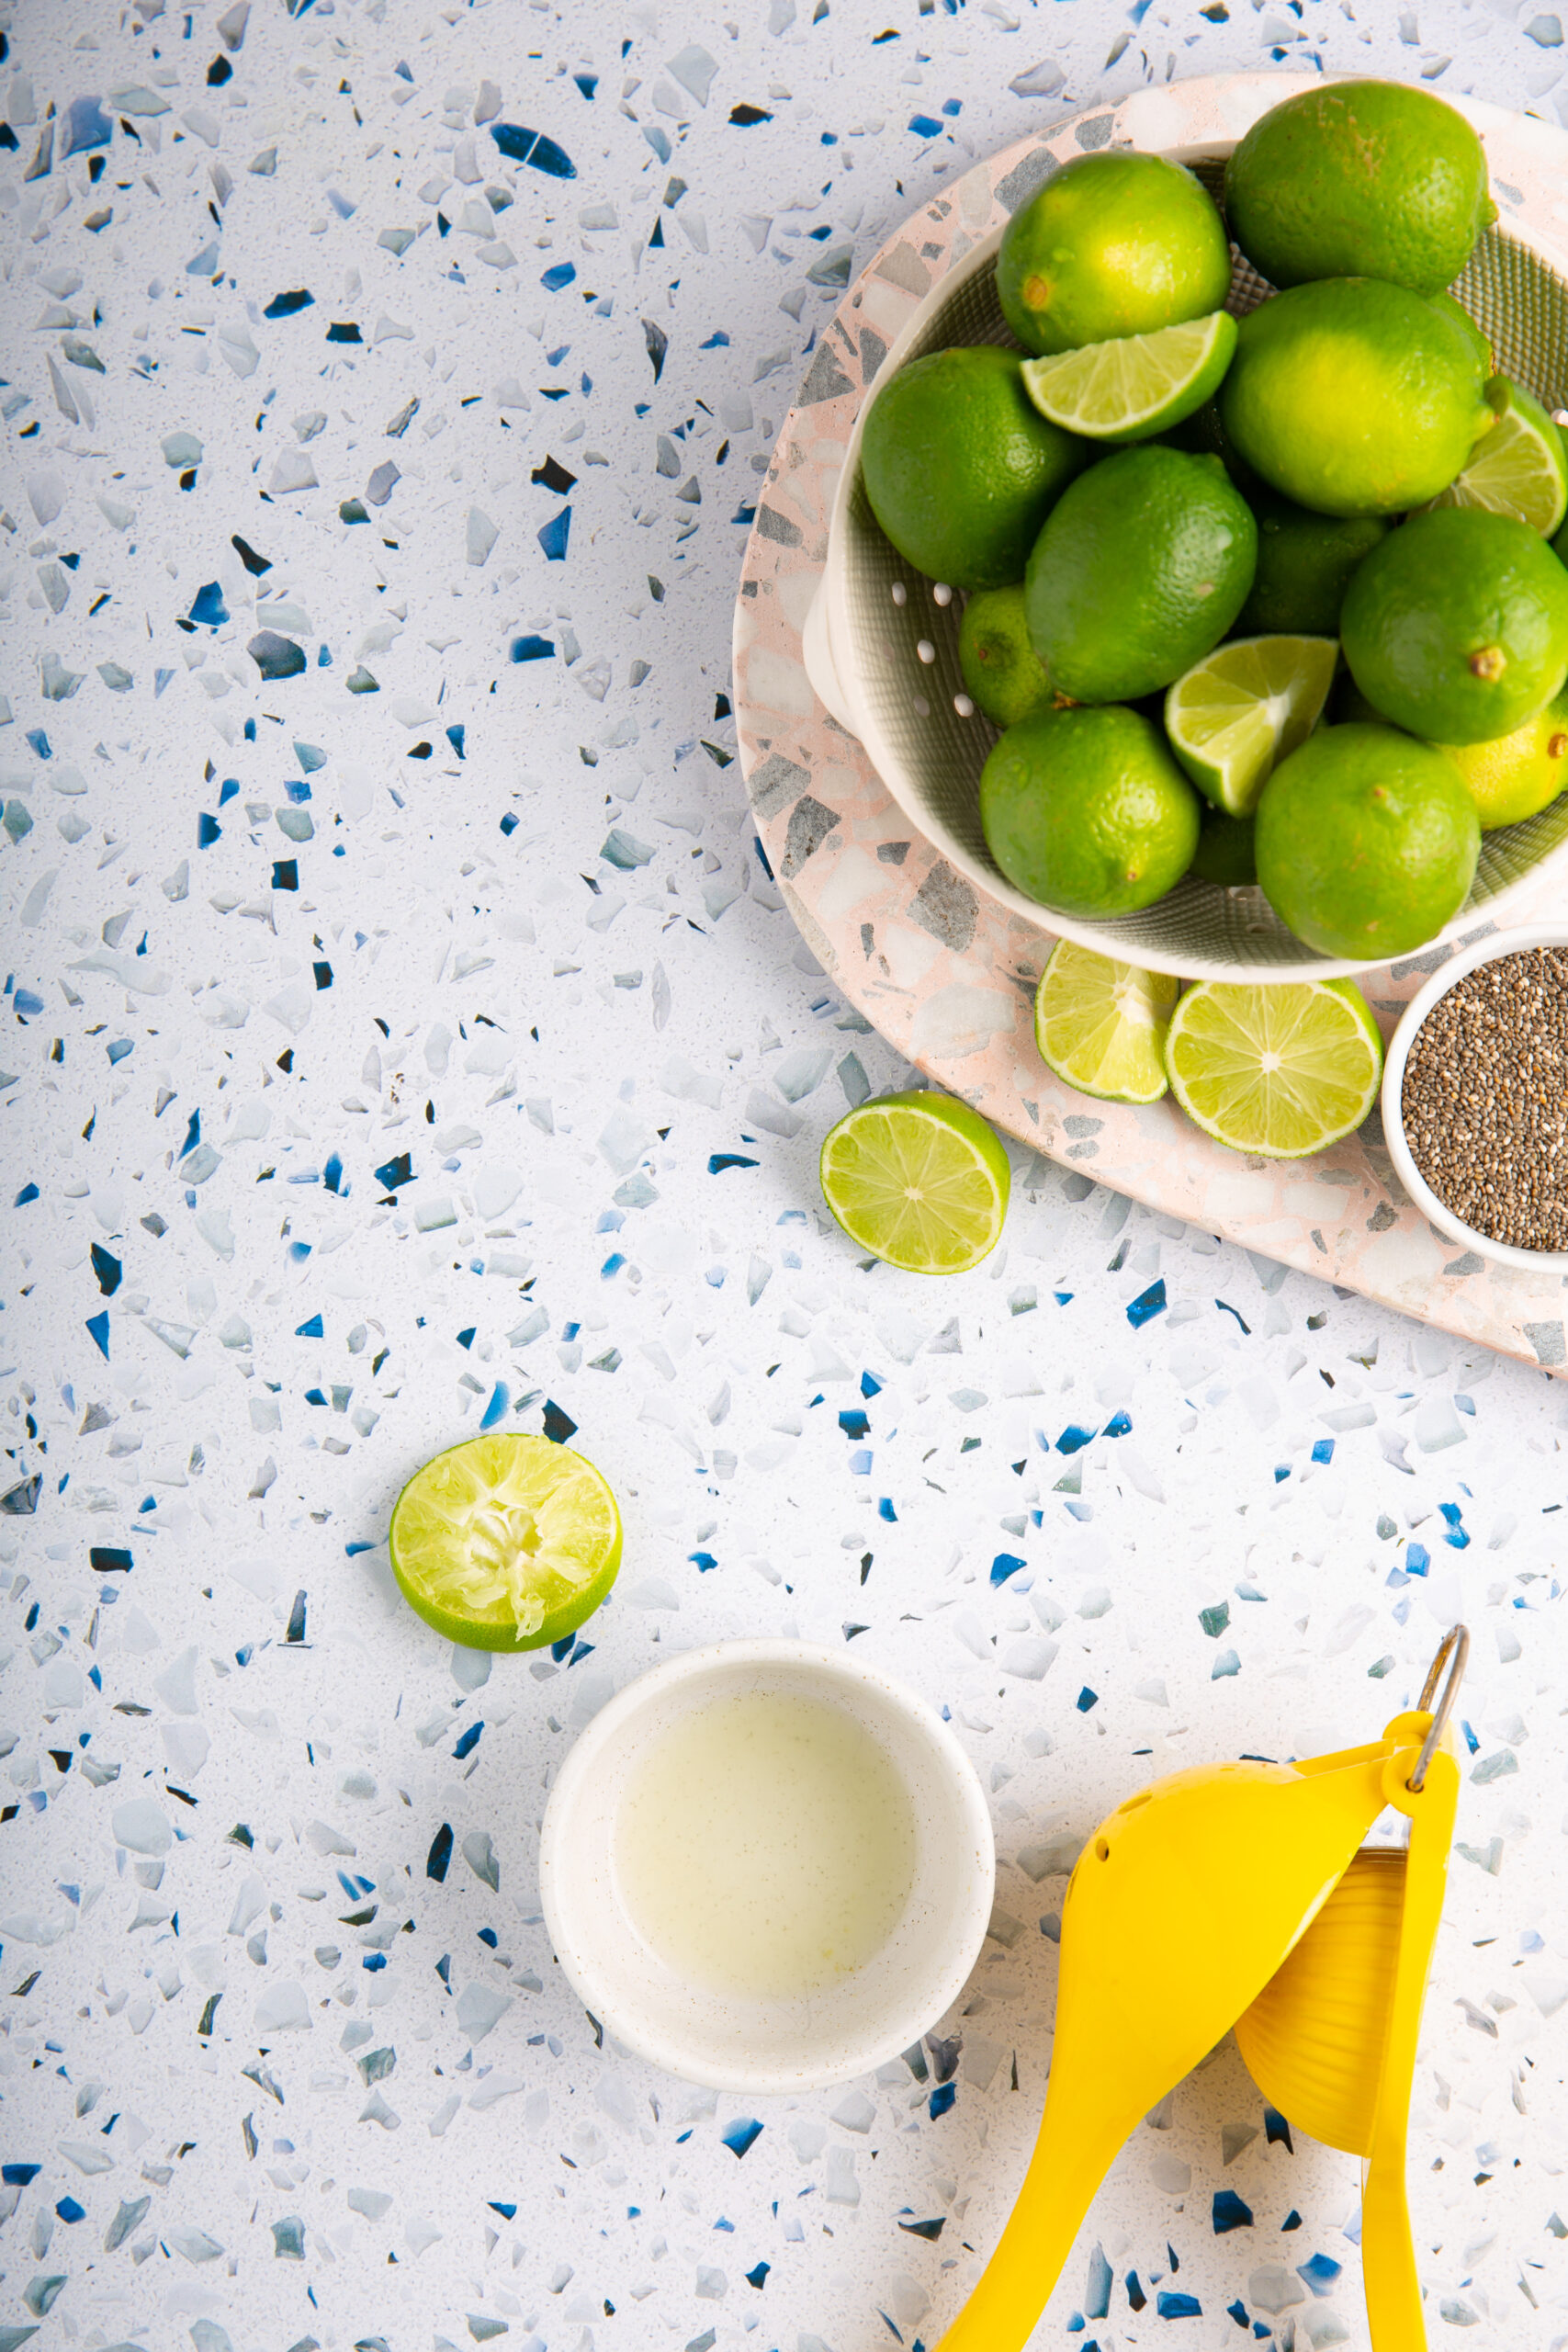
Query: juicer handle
pixel 1395 2317
pixel 1071 2158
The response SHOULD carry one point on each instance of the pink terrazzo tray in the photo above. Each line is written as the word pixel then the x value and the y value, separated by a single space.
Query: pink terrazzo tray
pixel 945 972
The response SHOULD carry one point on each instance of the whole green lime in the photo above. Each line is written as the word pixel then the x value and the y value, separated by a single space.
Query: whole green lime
pixel 1001 669
pixel 1112 244
pixel 1354 398
pixel 1362 179
pixel 1086 810
pixel 1226 853
pixel 1457 626
pixel 1142 567
pixel 960 468
pixel 1304 563
pixel 1366 842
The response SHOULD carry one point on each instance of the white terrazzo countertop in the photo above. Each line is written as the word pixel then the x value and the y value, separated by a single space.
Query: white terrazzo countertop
pixel 403 1036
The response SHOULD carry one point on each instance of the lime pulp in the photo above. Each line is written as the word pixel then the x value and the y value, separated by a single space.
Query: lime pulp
pixel 1101 1025
pixel 1283 1071
pixel 1133 385
pixel 1243 708
pixel 505 1542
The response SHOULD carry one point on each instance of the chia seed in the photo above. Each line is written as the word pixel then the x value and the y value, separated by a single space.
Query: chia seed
pixel 1485 1099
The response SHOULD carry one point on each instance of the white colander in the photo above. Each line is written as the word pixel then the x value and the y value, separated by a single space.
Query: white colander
pixel 881 641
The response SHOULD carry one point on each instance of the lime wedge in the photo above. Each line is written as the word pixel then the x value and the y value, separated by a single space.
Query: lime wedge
pixel 918 1179
pixel 1281 1072
pixel 1238 712
pixel 1517 467
pixel 1101 1025
pixel 1137 385
pixel 505 1543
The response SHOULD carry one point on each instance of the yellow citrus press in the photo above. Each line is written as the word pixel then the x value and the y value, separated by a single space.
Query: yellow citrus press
pixel 1242 1896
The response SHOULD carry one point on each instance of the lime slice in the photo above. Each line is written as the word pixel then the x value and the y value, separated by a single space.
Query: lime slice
pixel 1100 1025
pixel 1139 384
pixel 505 1543
pixel 1518 467
pixel 1281 1072
pixel 1238 712
pixel 919 1179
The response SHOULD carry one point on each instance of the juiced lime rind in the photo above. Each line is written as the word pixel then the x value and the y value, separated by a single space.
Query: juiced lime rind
pixel 506 1541
pixel 1281 1072
pixel 1518 467
pixel 919 1179
pixel 1133 386
pixel 1245 707
pixel 1101 1025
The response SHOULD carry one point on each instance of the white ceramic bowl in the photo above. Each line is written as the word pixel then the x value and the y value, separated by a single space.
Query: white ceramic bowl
pixel 1479 951
pixel 863 649
pixel 841 2030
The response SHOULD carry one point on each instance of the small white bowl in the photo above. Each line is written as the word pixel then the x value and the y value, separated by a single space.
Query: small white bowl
pixel 1489 950
pixel 844 2028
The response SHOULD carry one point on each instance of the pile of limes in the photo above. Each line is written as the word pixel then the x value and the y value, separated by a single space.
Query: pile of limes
pixel 1276 600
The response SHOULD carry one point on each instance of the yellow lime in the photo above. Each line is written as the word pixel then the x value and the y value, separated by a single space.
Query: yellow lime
pixel 1135 386
pixel 1362 179
pixel 918 1179
pixel 1001 667
pixel 1519 468
pixel 1245 707
pixel 1101 1025
pixel 1353 397
pixel 1282 1070
pixel 1515 777
pixel 506 1541
pixel 1085 809
pixel 1112 244
pixel 960 468
pixel 1142 567
pixel 1366 842
pixel 1456 627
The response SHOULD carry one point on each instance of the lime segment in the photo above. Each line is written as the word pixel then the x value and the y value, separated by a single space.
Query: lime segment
pixel 1281 1072
pixel 505 1543
pixel 1136 385
pixel 1100 1025
pixel 1518 467
pixel 919 1179
pixel 1245 707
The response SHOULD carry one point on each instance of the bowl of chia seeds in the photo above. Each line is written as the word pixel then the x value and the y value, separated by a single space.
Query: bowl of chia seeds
pixel 1475 1098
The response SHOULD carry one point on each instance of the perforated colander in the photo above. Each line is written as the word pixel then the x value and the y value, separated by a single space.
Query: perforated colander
pixel 881 642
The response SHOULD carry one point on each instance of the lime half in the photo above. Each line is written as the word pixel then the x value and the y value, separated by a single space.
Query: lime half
pixel 918 1179
pixel 1518 467
pixel 1243 708
pixel 1281 1072
pixel 1139 384
pixel 1100 1025
pixel 505 1543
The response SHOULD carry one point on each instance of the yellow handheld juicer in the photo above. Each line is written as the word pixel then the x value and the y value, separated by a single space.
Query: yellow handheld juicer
pixel 1242 1896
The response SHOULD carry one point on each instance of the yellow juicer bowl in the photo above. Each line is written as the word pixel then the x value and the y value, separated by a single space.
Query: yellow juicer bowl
pixel 1242 1896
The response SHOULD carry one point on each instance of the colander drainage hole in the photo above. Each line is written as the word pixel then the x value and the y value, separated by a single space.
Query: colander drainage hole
pixel 926 649
pixel 962 706
pixel 900 594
